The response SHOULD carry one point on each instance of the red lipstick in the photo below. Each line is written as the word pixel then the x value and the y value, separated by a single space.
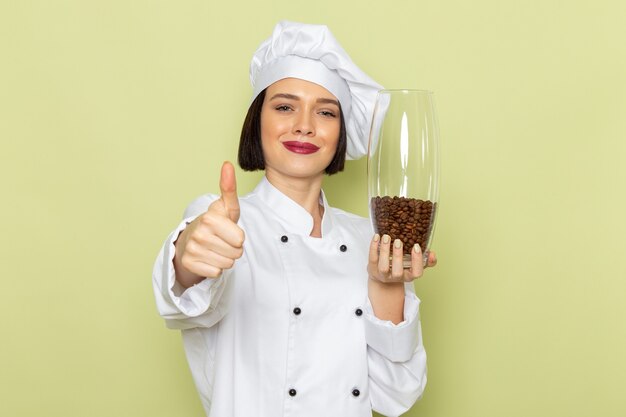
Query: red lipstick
pixel 304 148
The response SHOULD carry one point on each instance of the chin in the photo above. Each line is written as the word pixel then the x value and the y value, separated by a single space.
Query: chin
pixel 302 171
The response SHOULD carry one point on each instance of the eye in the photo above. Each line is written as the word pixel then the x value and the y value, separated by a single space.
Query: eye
pixel 327 113
pixel 283 108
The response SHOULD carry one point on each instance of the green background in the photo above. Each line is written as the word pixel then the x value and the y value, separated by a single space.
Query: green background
pixel 116 114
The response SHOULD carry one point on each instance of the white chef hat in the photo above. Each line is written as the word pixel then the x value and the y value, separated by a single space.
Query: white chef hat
pixel 311 53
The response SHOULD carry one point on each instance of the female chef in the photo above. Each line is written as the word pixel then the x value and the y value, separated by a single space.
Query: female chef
pixel 288 306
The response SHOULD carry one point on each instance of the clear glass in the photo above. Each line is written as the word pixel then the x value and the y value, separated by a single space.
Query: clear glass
pixel 403 168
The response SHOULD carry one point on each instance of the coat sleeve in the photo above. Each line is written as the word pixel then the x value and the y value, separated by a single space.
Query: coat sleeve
pixel 396 359
pixel 201 305
pixel 395 352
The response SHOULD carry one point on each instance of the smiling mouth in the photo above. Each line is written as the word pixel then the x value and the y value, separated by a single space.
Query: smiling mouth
pixel 300 147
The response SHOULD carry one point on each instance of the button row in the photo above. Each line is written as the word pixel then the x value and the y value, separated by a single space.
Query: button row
pixel 293 392
pixel 285 239
pixel 298 310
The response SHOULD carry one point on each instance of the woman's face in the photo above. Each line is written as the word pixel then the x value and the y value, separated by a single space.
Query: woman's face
pixel 300 125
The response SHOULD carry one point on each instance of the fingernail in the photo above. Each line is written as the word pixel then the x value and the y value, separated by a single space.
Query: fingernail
pixel 397 244
pixel 417 248
pixel 386 238
pixel 376 237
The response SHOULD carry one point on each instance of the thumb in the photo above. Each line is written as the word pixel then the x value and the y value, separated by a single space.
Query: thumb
pixel 228 188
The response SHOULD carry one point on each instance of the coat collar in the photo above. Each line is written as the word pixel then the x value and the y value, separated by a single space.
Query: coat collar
pixel 291 215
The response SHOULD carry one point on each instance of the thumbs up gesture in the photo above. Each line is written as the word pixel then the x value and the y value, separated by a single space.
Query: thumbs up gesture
pixel 213 241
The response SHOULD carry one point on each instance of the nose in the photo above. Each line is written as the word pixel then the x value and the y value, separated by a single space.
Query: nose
pixel 303 125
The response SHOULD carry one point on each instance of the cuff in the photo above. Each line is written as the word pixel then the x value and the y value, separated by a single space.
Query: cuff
pixel 198 299
pixel 397 342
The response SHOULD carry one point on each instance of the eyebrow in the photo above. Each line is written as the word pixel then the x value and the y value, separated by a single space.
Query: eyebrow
pixel 293 97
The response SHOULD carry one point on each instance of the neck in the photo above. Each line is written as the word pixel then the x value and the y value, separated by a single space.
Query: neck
pixel 304 191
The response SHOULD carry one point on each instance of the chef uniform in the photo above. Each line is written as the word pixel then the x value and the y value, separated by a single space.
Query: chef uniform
pixel 289 330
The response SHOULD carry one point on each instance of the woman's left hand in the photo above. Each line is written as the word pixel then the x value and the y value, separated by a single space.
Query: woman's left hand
pixel 378 266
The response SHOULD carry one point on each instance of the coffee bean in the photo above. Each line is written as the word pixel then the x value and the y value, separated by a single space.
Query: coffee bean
pixel 407 219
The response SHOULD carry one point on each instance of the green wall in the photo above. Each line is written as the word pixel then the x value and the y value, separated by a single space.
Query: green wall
pixel 115 114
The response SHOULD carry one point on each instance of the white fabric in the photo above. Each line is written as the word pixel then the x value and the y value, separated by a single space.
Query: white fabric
pixel 245 346
pixel 292 66
pixel 292 51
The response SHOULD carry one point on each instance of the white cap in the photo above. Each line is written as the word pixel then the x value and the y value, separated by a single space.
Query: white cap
pixel 311 53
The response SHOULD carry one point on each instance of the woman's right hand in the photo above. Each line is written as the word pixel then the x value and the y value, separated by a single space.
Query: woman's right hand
pixel 213 241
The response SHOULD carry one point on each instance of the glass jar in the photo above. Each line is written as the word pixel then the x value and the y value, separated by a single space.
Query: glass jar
pixel 403 168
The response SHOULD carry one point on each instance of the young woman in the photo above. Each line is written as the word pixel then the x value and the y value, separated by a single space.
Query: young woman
pixel 287 306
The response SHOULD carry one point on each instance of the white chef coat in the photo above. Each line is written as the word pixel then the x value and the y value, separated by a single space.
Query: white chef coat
pixel 289 330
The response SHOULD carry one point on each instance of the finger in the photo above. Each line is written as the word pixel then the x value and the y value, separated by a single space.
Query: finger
pixel 228 231
pixel 383 257
pixel 397 269
pixel 216 260
pixel 373 257
pixel 218 245
pixel 204 270
pixel 228 188
pixel 432 259
pixel 417 262
pixel 198 253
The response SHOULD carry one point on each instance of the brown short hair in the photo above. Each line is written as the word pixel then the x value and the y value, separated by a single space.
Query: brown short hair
pixel 250 156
